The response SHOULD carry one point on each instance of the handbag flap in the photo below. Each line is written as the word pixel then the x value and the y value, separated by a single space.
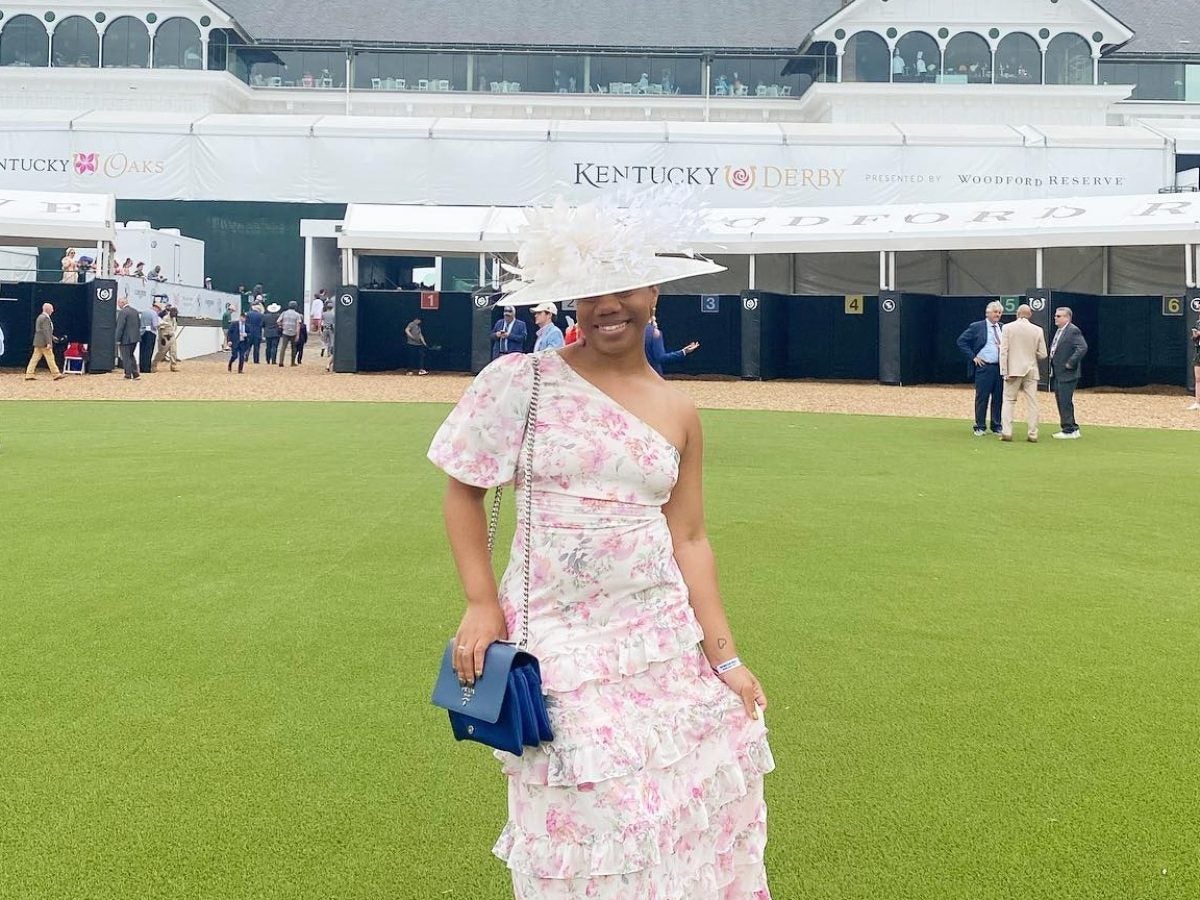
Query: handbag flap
pixel 485 698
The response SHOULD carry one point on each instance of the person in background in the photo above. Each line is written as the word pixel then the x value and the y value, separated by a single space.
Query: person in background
pixel 980 346
pixel 237 336
pixel 168 338
pixel 315 310
pixel 254 328
pixel 656 351
pixel 289 330
pixel 327 335
pixel 1066 353
pixel 301 341
pixel 149 337
pixel 129 330
pixel 226 319
pixel 508 334
pixel 156 274
pixel 414 347
pixel 139 271
pixel 43 345
pixel 126 268
pixel 549 336
pixel 572 333
pixel 1196 362
pixel 208 282
pixel 271 332
pixel 70 268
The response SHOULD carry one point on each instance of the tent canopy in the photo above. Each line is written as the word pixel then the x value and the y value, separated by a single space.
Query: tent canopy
pixel 41 219
pixel 1137 220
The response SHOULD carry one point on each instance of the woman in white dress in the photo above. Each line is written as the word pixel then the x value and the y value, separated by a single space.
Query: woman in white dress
pixel 70 268
pixel 652 788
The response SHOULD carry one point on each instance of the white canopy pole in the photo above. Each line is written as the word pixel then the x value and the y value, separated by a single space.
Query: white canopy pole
pixel 891 270
pixel 482 269
pixel 752 272
pixel 1040 277
pixel 1189 256
pixel 883 270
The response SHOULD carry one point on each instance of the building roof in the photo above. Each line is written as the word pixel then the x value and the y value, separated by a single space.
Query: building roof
pixel 751 24
pixel 1160 26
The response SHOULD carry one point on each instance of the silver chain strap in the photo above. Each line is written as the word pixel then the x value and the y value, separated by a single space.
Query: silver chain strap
pixel 527 481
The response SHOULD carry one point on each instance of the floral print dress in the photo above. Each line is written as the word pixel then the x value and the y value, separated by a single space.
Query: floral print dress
pixel 653 786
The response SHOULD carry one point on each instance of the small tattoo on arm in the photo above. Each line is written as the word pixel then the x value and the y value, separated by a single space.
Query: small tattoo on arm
pixel 721 642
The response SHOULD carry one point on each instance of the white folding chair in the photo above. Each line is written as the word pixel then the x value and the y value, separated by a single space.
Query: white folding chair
pixel 376 83
pixel 514 87
pixel 422 84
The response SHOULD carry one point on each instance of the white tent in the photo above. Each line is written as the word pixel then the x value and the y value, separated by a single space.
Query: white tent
pixel 41 219
pixel 1138 220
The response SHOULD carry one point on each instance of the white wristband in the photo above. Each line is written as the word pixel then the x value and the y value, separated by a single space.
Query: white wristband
pixel 728 666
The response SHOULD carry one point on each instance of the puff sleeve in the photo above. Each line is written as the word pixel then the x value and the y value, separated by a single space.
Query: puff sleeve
pixel 480 441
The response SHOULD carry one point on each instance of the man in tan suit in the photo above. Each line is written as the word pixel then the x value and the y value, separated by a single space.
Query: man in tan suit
pixel 43 345
pixel 1022 347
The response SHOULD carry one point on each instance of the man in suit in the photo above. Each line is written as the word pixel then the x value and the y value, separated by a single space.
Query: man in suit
pixel 254 328
pixel 238 337
pixel 980 344
pixel 270 331
pixel 508 334
pixel 129 331
pixel 1067 351
pixel 43 345
pixel 148 339
pixel 1022 347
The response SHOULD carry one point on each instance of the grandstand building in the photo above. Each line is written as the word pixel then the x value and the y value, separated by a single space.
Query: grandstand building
pixel 237 121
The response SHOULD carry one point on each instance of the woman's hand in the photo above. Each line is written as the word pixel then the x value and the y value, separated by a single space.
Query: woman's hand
pixel 482 624
pixel 743 683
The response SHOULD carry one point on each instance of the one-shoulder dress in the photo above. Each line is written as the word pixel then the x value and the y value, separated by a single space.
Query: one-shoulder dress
pixel 653 786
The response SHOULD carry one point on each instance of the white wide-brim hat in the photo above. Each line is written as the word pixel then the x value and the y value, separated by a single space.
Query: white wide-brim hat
pixel 573 253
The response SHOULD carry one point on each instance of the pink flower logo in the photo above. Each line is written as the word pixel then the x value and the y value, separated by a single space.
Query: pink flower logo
pixel 85 163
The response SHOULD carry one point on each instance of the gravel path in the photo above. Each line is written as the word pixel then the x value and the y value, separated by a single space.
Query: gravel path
pixel 207 379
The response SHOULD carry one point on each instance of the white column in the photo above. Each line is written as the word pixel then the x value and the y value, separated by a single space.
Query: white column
pixel 1189 256
pixel 891 270
pixel 348 83
pixel 482 269
pixel 309 288
pixel 204 50
pixel 751 284
pixel 883 270
pixel 1096 66
pixel 707 84
pixel 841 52
pixel 1040 277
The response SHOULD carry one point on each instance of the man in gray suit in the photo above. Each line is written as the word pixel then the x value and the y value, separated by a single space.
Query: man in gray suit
pixel 129 332
pixel 1066 352
pixel 43 345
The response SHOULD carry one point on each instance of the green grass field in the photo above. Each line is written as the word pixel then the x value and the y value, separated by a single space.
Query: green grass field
pixel 219 624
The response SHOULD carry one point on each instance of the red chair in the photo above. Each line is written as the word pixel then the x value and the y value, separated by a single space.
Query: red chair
pixel 75 359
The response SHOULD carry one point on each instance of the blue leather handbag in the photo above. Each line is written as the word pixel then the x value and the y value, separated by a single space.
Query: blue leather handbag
pixel 505 708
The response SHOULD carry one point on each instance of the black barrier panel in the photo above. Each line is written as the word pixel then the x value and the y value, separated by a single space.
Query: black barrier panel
pixel 684 318
pixel 825 337
pixel 1191 323
pixel 481 333
pixel 16 321
pixel 102 346
pixel 752 335
pixel 383 316
pixel 1043 316
pixel 345 329
pixel 908 328
pixel 1137 344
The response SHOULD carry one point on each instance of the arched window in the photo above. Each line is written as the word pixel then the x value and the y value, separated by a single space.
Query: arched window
pixel 218 49
pixel 75 44
pixel 24 42
pixel 866 58
pixel 968 55
pixel 126 44
pixel 1018 60
pixel 917 58
pixel 1069 60
pixel 177 45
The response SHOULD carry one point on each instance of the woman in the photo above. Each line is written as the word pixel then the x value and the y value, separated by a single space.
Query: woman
pixel 657 353
pixel 70 268
pixel 327 333
pixel 652 786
